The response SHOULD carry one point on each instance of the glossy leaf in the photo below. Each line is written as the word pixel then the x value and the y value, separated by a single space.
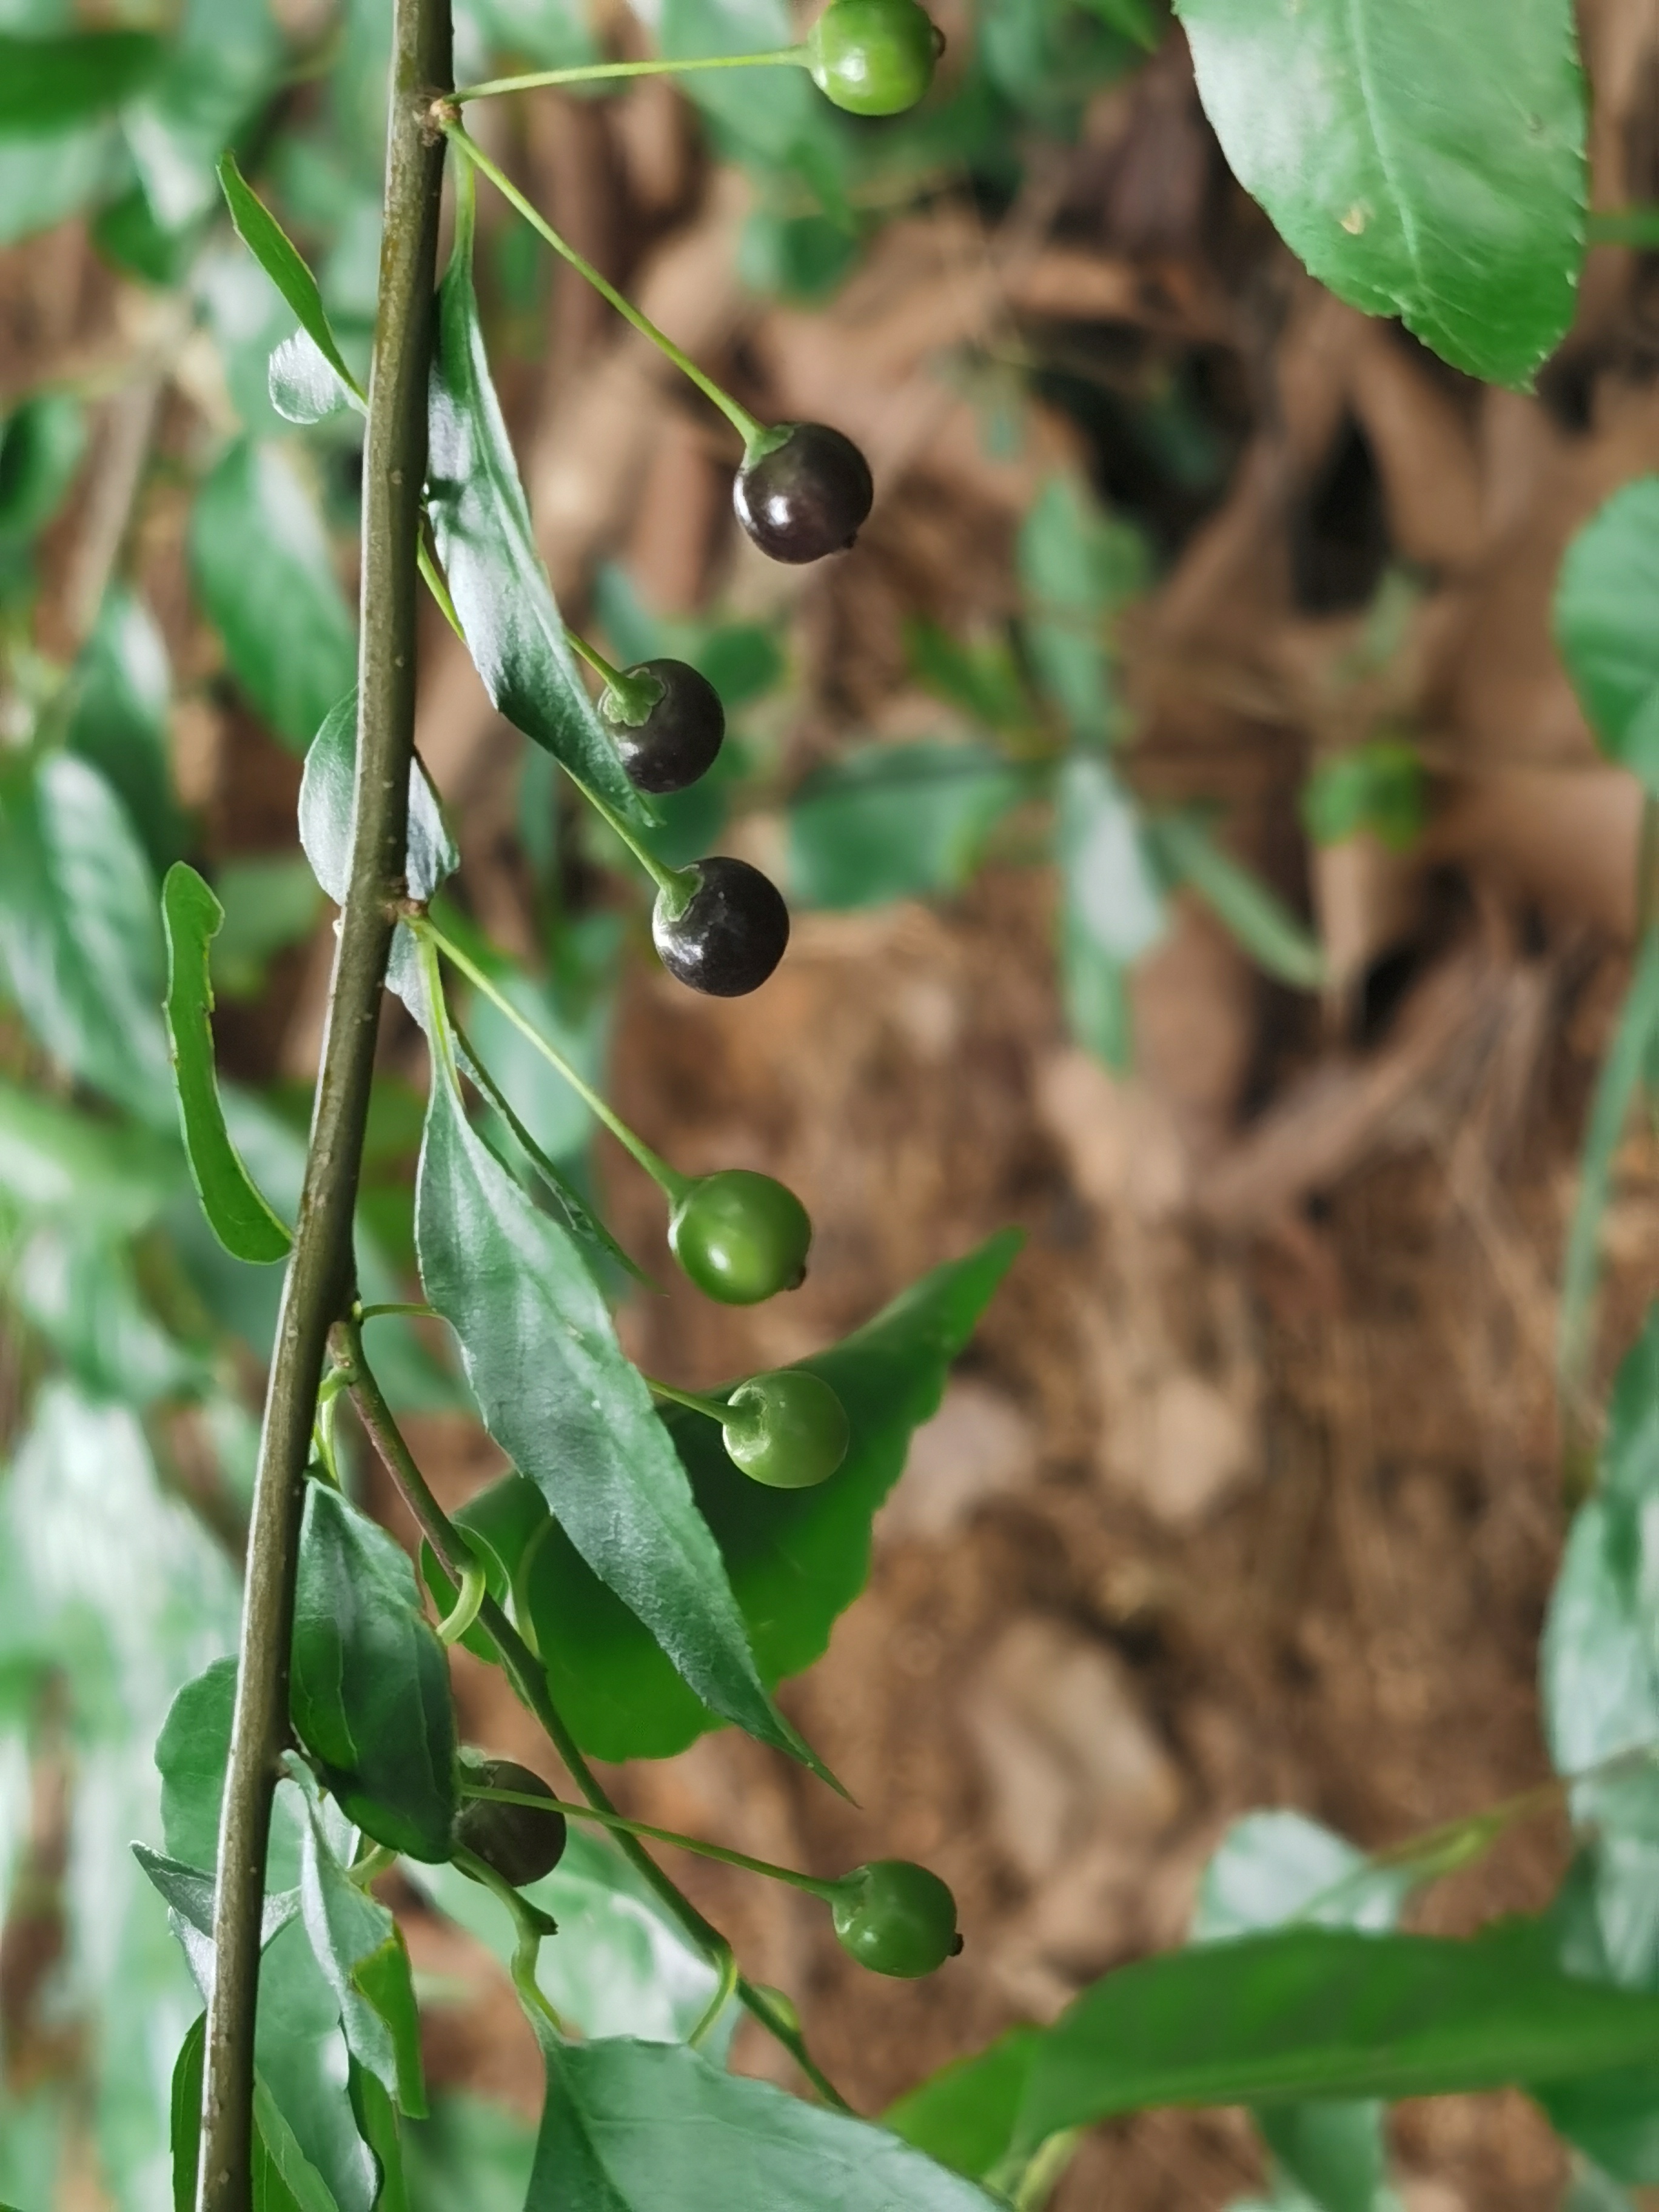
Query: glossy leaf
pixel 653 2127
pixel 45 84
pixel 266 574
pixel 1420 167
pixel 237 1211
pixel 796 1558
pixel 560 1399
pixel 370 1692
pixel 1603 630
pixel 1275 938
pixel 79 933
pixel 188 1891
pixel 284 2179
pixel 361 1949
pixel 891 822
pixel 186 2108
pixel 276 254
pixel 118 719
pixel 302 2060
pixel 1315 2012
pixel 496 576
pixel 302 383
pixel 192 1750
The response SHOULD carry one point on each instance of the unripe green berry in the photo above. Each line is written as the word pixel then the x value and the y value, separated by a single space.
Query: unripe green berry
pixel 788 1430
pixel 896 1918
pixel 741 1237
pixel 515 1841
pixel 874 57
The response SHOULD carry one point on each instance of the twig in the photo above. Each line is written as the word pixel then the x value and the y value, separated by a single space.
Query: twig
pixel 319 1284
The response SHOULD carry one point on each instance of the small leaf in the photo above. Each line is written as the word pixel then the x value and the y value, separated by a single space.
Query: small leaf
pixel 1111 893
pixel 965 2115
pixel 284 2179
pixel 1273 936
pixel 497 577
pixel 119 714
pixel 1419 169
pixel 370 1694
pixel 276 254
pixel 262 564
pixel 42 442
pixel 189 1892
pixel 304 386
pixel 236 1209
pixel 1079 567
pixel 892 822
pixel 187 2113
pixel 1377 787
pixel 1604 631
pixel 45 84
pixel 327 805
pixel 557 1392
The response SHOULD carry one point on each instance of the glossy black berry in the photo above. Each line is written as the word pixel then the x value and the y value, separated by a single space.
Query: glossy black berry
pixel 729 935
pixel 896 1918
pixel 787 1430
pixel 515 1841
pixel 741 1237
pixel 874 57
pixel 675 739
pixel 807 497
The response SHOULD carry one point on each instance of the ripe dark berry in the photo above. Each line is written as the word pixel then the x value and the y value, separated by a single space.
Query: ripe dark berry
pixel 807 495
pixel 741 1237
pixel 896 1918
pixel 874 57
pixel 729 935
pixel 788 1430
pixel 518 1843
pixel 675 739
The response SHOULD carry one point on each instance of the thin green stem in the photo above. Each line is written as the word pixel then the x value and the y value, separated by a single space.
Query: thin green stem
pixel 748 428
pixel 725 1985
pixel 528 1680
pixel 465 1611
pixel 415 1308
pixel 434 580
pixel 529 1926
pixel 602 72
pixel 591 653
pixel 813 1883
pixel 430 936
pixel 711 1406
pixel 675 885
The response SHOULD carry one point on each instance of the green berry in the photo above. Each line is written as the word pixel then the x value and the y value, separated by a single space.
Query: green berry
pixel 741 1237
pixel 515 1841
pixel 874 57
pixel 788 1430
pixel 896 1918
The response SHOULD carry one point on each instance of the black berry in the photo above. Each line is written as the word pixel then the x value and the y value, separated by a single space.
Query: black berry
pixel 787 1430
pixel 677 738
pixel 896 1918
pixel 741 1237
pixel 729 935
pixel 515 1841
pixel 806 496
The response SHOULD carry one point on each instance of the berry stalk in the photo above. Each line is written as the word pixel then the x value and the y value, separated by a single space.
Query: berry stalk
pixel 608 72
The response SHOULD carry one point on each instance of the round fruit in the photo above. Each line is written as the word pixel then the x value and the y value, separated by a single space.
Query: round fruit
pixel 675 740
pixel 896 1918
pixel 806 496
pixel 788 1430
pixel 741 1237
pixel 874 57
pixel 514 1841
pixel 729 935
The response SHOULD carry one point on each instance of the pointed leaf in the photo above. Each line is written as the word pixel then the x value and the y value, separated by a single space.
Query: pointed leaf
pixel 1603 628
pixel 237 1211
pixel 276 254
pixel 302 385
pixel 370 1694
pixel 187 2113
pixel 559 1396
pixel 284 2179
pixel 1273 936
pixel 47 82
pixel 327 802
pixel 966 2114
pixel 496 576
pixel 1420 167
pixel 797 1559
pixel 361 1949
pixel 189 1892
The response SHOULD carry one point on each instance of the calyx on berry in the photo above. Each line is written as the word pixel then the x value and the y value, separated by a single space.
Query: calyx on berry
pixel 803 491
pixel 895 1917
pixel 874 57
pixel 787 1430
pixel 666 721
pixel 728 935
pixel 514 1841
pixel 741 1237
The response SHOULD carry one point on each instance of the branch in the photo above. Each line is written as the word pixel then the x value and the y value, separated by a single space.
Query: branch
pixel 317 1287
pixel 529 1678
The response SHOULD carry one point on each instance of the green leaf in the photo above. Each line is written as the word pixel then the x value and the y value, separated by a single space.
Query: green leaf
pixel 262 567
pixel 186 2110
pixel 1420 167
pixel 42 442
pixel 965 2115
pixel 1315 2012
pixel 271 900
pixel 301 2057
pixel 189 1892
pixel 558 1395
pixel 655 2127
pixel 58 1164
pixel 498 1523
pixel 370 1694
pixel 45 84
pixel 361 1949
pixel 79 933
pixel 236 1209
pixel 1273 936
pixel 1377 786
pixel 1095 990
pixel 497 577
pixel 302 383
pixel 1079 567
pixel 1111 901
pixel 80 1286
pixel 1603 629
pixel 892 822
pixel 276 254
pixel 192 1750
pixel 119 695
pixel 377 2123
pixel 45 179
pixel 471 2156
pixel 796 1558
pixel 224 61
pixel 284 2179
